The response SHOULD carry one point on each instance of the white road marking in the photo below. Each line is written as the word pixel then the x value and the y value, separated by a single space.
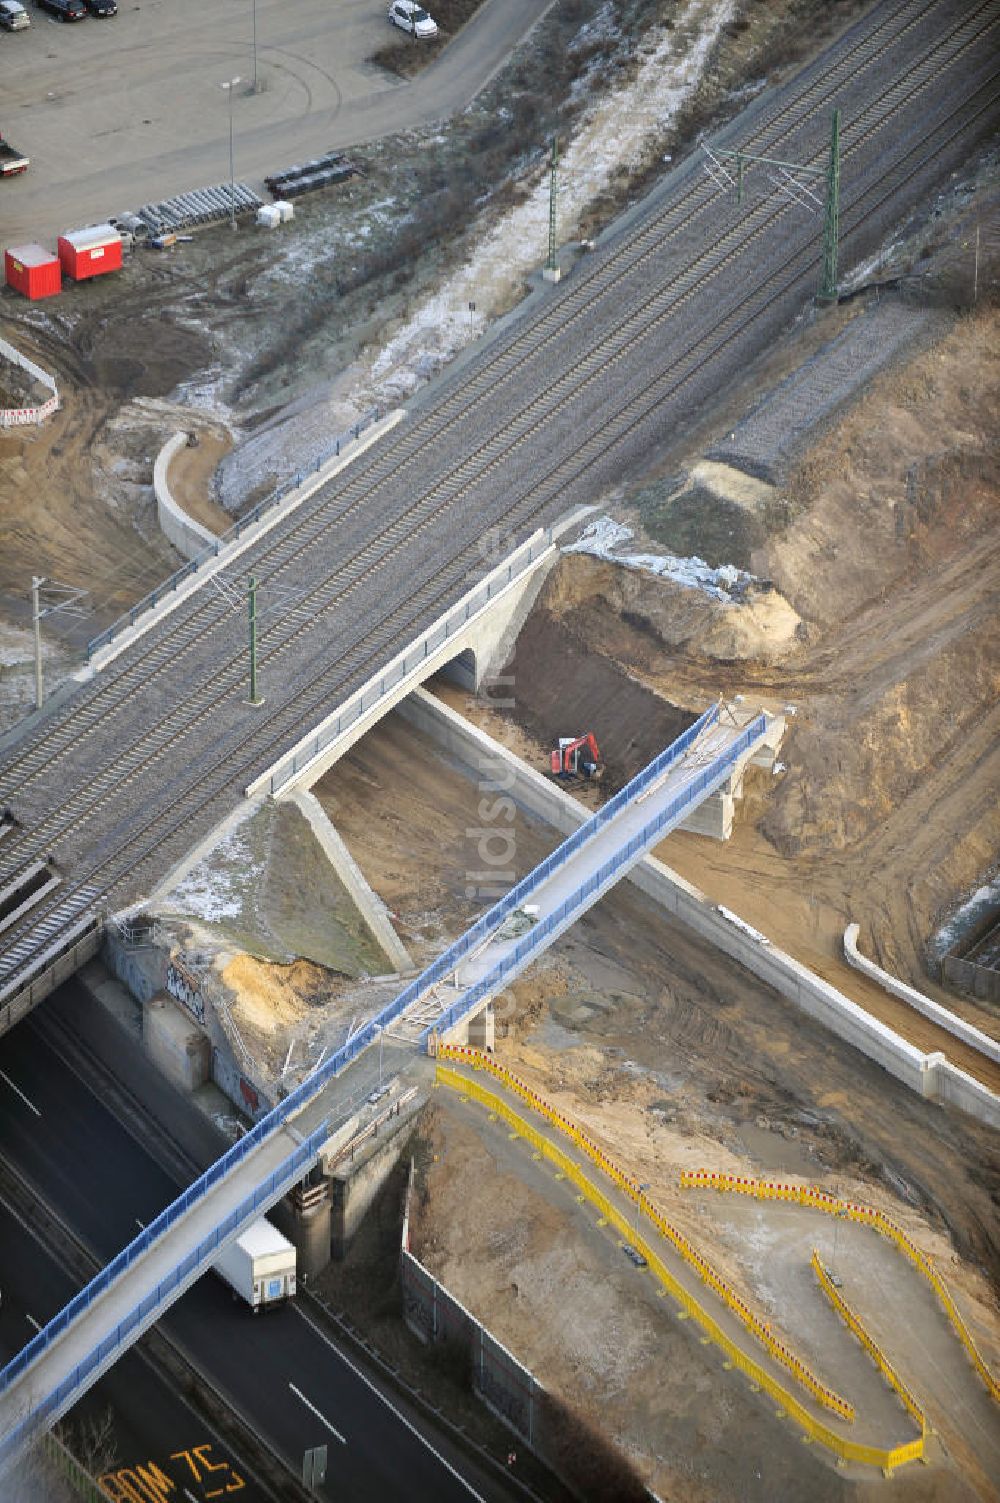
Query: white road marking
pixel 18 1092
pixel 31 1319
pixel 332 1428
pixel 389 1405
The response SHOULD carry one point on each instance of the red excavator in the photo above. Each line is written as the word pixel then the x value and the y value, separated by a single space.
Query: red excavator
pixel 576 757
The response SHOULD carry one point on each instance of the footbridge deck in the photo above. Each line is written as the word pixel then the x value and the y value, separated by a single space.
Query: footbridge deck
pixel 575 876
pixel 72 1351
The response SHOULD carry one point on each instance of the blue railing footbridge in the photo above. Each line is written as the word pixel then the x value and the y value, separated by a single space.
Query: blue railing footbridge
pixel 84 1339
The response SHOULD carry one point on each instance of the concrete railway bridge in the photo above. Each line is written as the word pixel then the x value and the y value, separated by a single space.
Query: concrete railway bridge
pixel 121 775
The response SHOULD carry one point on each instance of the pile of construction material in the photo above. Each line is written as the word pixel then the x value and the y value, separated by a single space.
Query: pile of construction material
pixel 200 206
pixel 319 173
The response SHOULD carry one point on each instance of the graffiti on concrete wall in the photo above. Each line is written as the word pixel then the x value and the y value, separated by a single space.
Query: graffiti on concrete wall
pixel 234 1084
pixel 185 987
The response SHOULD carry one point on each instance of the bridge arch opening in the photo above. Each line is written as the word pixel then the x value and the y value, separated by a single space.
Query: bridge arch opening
pixel 463 670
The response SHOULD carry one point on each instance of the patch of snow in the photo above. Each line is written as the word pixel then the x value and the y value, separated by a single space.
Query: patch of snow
pixel 604 537
pixel 213 890
pixel 611 136
pixel 966 916
pixel 866 270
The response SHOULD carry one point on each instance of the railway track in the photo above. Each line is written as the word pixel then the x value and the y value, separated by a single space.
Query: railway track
pixel 771 135
pixel 124 777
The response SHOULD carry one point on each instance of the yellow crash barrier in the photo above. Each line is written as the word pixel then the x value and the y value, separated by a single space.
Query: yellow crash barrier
pixel 848 1450
pixel 819 1200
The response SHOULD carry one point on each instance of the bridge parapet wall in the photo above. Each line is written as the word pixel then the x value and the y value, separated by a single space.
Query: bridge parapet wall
pixel 480 621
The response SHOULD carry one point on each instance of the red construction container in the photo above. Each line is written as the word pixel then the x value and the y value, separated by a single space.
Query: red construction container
pixel 33 270
pixel 90 252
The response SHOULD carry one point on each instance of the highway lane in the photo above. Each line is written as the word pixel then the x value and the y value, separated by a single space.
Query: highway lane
pixel 284 1374
pixel 153 1426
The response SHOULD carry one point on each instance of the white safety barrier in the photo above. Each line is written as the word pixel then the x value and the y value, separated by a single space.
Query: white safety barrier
pixel 14 417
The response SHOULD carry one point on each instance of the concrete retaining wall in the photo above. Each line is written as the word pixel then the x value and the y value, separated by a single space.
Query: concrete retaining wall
pixel 930 1075
pixel 150 614
pixel 188 536
pixel 370 907
pixel 175 1043
pixel 355 1184
pixel 943 1016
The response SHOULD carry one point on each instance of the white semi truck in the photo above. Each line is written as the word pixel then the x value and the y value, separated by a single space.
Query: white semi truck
pixel 259 1266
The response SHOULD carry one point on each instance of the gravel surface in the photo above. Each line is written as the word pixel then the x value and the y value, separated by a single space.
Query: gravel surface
pixel 774 432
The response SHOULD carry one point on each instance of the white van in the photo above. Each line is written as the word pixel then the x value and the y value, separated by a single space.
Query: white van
pixel 13 16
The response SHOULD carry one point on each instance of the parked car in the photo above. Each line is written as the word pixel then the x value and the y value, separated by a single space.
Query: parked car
pixel 409 16
pixel 13 16
pixel 64 10
pixel 102 7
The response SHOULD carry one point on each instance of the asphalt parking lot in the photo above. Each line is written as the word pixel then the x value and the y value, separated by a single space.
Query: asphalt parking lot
pixel 124 111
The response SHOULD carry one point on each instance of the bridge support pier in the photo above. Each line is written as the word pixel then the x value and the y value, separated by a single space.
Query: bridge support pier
pixel 304 1218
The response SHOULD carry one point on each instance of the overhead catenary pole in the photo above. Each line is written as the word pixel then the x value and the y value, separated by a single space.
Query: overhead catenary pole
pixel 36 622
pixel 831 227
pixel 796 181
pixel 62 598
pixel 975 270
pixel 551 270
pixel 553 189
pixel 255 698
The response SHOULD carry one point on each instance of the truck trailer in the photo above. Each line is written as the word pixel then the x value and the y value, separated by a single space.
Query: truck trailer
pixel 12 161
pixel 259 1266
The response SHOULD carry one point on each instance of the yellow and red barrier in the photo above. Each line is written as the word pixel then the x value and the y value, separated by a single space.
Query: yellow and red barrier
pixel 840 1445
pixel 758 1327
pixel 854 1323
pixel 820 1200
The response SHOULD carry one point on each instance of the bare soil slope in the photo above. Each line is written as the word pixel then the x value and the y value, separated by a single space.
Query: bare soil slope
pixel 888 808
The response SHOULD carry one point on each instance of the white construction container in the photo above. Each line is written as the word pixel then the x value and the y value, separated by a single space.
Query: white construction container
pixel 285 209
pixel 269 216
pixel 259 1266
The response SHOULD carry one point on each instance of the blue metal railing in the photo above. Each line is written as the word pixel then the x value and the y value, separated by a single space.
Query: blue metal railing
pixel 212 550
pixel 520 893
pixel 265 1193
pixel 716 773
pixel 369 1033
